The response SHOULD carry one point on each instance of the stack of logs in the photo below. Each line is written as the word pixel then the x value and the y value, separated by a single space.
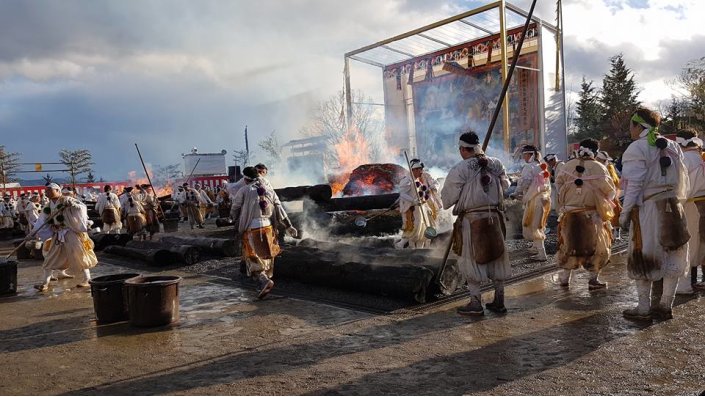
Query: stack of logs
pixel 407 275
pixel 338 214
pixel 169 250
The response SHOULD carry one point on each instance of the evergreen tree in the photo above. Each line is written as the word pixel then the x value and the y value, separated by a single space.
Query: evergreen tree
pixel 589 113
pixel 90 178
pixel 619 100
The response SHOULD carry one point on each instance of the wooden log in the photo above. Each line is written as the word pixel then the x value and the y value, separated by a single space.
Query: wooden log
pixel 103 240
pixel 317 193
pixel 361 203
pixel 158 257
pixel 186 254
pixel 333 264
pixel 214 246
pixel 224 222
pixel 310 266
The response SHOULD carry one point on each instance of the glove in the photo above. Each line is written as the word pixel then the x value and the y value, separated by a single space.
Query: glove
pixel 291 231
pixel 624 218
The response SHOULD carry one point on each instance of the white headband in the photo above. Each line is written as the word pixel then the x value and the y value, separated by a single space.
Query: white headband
pixel 54 186
pixel 416 164
pixel 583 151
pixel 464 144
pixel 684 142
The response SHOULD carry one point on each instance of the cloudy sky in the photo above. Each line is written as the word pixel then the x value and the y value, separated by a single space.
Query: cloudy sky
pixel 171 75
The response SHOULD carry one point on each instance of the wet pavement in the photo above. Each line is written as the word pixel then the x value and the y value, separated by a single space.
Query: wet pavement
pixel 552 341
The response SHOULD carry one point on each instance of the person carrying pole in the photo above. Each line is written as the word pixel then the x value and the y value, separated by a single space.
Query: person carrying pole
pixel 475 189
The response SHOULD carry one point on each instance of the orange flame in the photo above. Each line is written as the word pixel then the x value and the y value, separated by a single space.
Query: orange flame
pixel 160 191
pixel 352 150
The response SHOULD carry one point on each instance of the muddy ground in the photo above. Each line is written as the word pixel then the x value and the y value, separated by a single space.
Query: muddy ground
pixel 552 341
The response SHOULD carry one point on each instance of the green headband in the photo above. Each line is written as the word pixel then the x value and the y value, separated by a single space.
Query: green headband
pixel 653 131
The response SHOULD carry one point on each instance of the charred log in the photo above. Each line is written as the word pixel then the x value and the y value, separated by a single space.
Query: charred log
pixel 157 257
pixel 381 271
pixel 213 246
pixel 186 254
pixel 103 240
pixel 317 193
pixel 360 203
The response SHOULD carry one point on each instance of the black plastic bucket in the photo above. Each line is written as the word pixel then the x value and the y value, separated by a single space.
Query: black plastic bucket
pixel 8 277
pixel 109 300
pixel 153 301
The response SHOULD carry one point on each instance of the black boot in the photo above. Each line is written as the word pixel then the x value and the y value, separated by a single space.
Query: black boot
pixel 497 305
pixel 474 308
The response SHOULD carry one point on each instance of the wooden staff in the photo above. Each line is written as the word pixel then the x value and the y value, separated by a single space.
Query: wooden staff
pixel 495 115
pixel 159 205
pixel 35 231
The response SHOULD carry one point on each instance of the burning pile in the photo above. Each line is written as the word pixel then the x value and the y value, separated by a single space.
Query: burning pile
pixel 373 179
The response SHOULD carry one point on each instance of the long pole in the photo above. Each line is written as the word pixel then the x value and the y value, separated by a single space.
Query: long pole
pixel 505 76
pixel 505 87
pixel 192 170
pixel 159 205
pixel 486 142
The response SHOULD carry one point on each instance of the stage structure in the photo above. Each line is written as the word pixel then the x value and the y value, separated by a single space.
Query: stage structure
pixel 446 77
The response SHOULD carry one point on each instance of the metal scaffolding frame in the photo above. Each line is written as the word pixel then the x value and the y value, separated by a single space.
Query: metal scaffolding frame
pixel 450 32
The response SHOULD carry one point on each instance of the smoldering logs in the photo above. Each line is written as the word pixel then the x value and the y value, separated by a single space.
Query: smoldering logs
pixel 186 254
pixel 380 271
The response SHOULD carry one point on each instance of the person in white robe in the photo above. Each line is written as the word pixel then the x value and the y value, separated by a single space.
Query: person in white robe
pixel 254 207
pixel 586 206
pixel 192 202
pixel 204 202
pixel 21 207
pixel 475 189
pixel 108 206
pixel 66 241
pixel 655 183
pixel 136 215
pixel 694 207
pixel 416 196
pixel 604 158
pixel 6 213
pixel 534 188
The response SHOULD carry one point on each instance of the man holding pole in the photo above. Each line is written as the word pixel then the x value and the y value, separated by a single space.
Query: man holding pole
pixel 475 189
pixel 414 206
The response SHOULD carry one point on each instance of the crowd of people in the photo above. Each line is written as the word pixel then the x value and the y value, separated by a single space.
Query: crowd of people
pixel 659 196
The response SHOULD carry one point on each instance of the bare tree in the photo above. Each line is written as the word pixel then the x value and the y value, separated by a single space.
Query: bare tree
pixel 271 148
pixel 241 157
pixel 328 119
pixel 9 164
pixel 77 162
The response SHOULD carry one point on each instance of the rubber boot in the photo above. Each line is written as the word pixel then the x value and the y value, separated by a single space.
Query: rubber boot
pixel 474 307
pixel 643 310
pixel 564 276
pixel 594 283
pixel 497 305
pixel 541 251
pixel 662 310
pixel 685 286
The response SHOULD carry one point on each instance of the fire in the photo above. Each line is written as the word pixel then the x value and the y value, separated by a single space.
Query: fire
pixel 352 150
pixel 160 191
